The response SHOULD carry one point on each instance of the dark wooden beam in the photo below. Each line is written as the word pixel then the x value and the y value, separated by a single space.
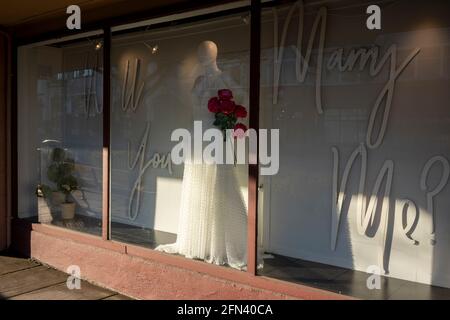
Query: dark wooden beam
pixel 3 139
pixel 112 15
pixel 106 222
pixel 253 178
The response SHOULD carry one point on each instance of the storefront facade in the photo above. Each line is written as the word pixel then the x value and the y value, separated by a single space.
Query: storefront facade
pixel 358 139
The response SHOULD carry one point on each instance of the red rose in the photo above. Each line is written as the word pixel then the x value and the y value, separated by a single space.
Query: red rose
pixel 239 130
pixel 225 94
pixel 227 106
pixel 214 105
pixel 240 112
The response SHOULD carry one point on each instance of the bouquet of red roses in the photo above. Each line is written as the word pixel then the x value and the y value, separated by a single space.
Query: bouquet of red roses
pixel 227 112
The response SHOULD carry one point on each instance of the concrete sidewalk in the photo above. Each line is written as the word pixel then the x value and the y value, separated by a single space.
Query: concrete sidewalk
pixel 24 279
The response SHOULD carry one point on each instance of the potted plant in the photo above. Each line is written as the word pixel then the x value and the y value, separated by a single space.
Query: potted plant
pixel 68 185
pixel 44 194
pixel 60 172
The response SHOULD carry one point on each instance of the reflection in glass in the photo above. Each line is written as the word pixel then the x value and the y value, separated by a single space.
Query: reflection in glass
pixel 60 135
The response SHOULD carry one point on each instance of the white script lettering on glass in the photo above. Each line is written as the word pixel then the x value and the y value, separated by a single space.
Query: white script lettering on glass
pixel 362 58
pixel 131 100
pixel 365 214
pixel 301 64
pixel 157 161
pixel 431 194
pixel 371 57
pixel 365 57
pixel 388 90
pixel 405 207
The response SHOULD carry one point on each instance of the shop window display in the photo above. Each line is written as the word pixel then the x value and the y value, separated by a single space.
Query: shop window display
pixel 364 135
pixel 165 80
pixel 60 105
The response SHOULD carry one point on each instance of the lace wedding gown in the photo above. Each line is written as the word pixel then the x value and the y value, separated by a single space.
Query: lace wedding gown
pixel 213 214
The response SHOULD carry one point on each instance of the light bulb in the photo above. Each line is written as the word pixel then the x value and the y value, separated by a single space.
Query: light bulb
pixel 153 49
pixel 98 45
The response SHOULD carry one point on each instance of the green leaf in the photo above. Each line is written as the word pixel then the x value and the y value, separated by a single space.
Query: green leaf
pixel 60 172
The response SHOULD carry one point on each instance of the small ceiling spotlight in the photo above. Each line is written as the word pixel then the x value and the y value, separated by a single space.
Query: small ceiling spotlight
pixel 98 45
pixel 153 49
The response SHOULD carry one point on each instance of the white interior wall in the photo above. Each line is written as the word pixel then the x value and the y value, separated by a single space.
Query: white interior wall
pixel 299 221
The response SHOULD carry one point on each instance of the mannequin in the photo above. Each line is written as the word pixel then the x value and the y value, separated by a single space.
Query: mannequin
pixel 213 215
pixel 207 56
pixel 208 83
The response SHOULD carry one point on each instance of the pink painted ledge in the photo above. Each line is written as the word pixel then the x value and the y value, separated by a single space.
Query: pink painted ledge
pixel 146 274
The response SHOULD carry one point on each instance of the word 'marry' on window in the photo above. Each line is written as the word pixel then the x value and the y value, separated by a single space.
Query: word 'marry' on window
pixel 367 58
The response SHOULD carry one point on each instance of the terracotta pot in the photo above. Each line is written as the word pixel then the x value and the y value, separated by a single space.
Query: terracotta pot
pixel 68 211
pixel 58 198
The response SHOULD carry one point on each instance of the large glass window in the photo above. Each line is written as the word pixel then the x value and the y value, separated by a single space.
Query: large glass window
pixel 364 147
pixel 165 80
pixel 60 134
pixel 361 168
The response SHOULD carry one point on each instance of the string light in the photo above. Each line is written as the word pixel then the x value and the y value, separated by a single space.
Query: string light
pixel 153 49
pixel 98 45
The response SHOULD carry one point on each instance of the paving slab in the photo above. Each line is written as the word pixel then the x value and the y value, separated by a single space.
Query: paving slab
pixel 24 279
pixel 13 264
pixel 118 297
pixel 61 292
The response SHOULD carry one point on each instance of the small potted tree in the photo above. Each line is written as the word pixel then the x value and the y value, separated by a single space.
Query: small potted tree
pixel 68 185
pixel 60 172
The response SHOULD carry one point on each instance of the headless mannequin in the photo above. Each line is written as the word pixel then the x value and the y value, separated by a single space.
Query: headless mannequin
pixel 212 78
pixel 207 56
pixel 213 219
pixel 213 214
pixel 208 83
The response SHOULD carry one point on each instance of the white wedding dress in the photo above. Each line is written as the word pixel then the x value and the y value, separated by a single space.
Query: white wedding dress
pixel 213 215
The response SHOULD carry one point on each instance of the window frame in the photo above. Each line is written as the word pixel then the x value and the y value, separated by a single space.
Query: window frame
pixel 105 241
